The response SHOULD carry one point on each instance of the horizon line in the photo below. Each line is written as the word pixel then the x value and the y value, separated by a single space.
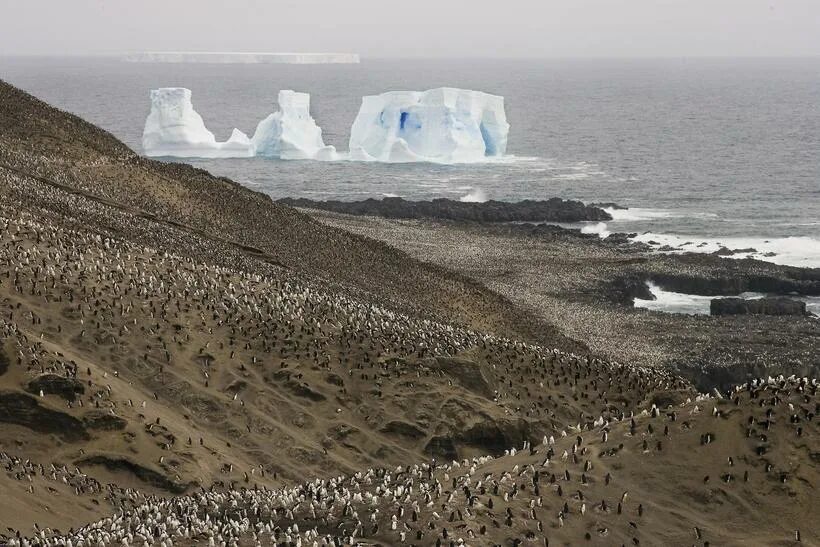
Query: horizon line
pixel 415 57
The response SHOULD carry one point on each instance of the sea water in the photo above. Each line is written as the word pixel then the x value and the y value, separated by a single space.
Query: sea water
pixel 704 152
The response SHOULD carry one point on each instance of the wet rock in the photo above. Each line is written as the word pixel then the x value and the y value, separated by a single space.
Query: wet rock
pixel 617 238
pixel 725 251
pixel 609 205
pixel 625 290
pixel 762 306
pixel 52 384
pixel 552 210
pixel 788 280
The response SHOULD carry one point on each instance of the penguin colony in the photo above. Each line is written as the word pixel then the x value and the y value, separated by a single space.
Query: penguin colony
pixel 567 487
pixel 171 388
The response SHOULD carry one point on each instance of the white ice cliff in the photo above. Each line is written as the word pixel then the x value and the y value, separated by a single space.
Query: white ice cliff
pixel 444 125
pixel 173 128
pixel 291 133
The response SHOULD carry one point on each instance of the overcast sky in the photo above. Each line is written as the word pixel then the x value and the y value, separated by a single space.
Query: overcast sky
pixel 417 28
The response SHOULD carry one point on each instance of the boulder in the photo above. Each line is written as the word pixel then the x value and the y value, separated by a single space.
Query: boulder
pixel 103 421
pixel 116 463
pixel 23 409
pixel 761 306
pixel 402 429
pixel 52 384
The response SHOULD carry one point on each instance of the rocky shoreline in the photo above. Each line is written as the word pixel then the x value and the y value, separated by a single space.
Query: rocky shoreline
pixel 183 359
pixel 550 210
pixel 587 286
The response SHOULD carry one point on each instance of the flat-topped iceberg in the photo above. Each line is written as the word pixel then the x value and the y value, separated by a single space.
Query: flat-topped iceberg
pixel 291 133
pixel 174 128
pixel 444 125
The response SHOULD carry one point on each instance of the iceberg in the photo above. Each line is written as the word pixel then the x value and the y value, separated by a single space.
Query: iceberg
pixel 174 128
pixel 291 133
pixel 444 125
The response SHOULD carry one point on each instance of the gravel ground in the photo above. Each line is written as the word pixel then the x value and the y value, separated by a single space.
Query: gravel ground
pixel 568 281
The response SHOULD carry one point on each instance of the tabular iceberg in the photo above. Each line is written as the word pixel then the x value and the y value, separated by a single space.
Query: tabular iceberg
pixel 444 125
pixel 291 133
pixel 174 128
pixel 240 57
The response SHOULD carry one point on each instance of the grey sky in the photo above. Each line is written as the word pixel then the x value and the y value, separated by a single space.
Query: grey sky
pixel 477 28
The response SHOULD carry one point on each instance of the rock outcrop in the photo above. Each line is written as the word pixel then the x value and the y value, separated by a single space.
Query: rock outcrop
pixel 761 306
pixel 550 210
pixel 53 384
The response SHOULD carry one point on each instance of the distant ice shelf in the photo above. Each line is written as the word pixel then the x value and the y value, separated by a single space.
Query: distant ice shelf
pixel 233 57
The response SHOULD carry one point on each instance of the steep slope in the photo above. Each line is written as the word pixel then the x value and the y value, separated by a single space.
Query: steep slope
pixel 67 153
pixel 168 373
pixel 710 471
pixel 183 354
pixel 165 333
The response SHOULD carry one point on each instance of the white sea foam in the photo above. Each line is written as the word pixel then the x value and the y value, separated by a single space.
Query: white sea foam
pixel 793 251
pixel 477 195
pixel 596 228
pixel 695 304
pixel 638 214
pixel 674 302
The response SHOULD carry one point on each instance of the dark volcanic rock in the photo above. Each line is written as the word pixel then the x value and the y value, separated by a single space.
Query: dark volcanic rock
pixel 609 205
pixel 403 429
pixel 52 384
pixel 149 476
pixel 624 290
pixel 442 447
pixel 96 419
pixel 22 409
pixel 762 306
pixel 4 361
pixel 290 381
pixel 552 210
pixel 494 437
pixel 488 435
pixel 467 373
pixel 790 280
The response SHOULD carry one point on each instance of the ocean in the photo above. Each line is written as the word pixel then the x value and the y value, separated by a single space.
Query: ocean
pixel 703 152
